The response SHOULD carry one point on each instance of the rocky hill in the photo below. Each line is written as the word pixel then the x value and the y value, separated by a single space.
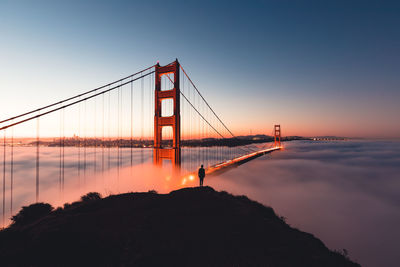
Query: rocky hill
pixel 187 227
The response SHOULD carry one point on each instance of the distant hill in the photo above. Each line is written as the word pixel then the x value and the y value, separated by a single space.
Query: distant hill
pixel 187 227
pixel 329 138
pixel 255 137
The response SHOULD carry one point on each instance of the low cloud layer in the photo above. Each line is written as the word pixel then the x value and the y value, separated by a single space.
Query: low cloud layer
pixel 346 193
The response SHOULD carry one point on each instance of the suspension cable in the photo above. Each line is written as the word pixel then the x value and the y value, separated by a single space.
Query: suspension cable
pixel 73 103
pixel 206 101
pixel 76 96
pixel 198 112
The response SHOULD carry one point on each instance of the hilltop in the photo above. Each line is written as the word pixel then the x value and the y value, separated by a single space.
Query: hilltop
pixel 187 227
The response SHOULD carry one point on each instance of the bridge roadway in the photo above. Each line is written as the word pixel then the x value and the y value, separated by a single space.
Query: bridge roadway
pixel 224 166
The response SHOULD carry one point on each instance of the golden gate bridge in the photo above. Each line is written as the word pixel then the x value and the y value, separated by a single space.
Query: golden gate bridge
pixel 156 114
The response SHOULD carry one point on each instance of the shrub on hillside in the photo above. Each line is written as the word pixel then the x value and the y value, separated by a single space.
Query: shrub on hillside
pixel 91 197
pixel 31 213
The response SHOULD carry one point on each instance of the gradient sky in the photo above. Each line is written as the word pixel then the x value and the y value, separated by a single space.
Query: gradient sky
pixel 315 67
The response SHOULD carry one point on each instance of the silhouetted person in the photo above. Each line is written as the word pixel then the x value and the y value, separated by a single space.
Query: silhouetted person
pixel 202 174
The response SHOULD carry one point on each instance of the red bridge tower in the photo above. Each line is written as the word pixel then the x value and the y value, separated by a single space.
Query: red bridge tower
pixel 277 135
pixel 173 153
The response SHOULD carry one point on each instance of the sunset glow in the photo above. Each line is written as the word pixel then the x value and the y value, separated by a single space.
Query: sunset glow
pixel 179 133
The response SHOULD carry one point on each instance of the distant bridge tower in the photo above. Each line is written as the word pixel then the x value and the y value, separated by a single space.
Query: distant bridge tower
pixel 277 135
pixel 174 153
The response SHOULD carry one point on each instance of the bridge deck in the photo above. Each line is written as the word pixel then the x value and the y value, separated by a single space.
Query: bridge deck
pixel 224 166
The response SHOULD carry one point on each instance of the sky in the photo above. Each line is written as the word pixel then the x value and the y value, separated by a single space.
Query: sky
pixel 315 67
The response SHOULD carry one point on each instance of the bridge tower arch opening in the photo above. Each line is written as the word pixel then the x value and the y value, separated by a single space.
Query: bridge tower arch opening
pixel 161 152
pixel 277 135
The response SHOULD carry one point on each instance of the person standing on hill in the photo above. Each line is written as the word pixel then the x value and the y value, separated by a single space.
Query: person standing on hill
pixel 202 174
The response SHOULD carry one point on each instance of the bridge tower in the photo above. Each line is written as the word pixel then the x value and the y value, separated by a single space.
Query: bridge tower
pixel 277 135
pixel 160 152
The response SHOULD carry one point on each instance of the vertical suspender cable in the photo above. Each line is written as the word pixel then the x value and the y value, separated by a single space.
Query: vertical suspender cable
pixel 12 171
pixel 60 156
pixel 109 132
pixel 102 139
pixel 95 138
pixel 84 145
pixel 79 142
pixel 202 141
pixel 121 127
pixel 209 145
pixel 63 147
pixel 191 133
pixel 192 120
pixel 37 160
pixel 190 130
pixel 182 104
pixel 118 125
pixel 142 119
pixel 4 179
pixel 198 135
pixel 153 92
pixel 152 106
pixel 61 151
pixel 149 116
pixel 131 141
